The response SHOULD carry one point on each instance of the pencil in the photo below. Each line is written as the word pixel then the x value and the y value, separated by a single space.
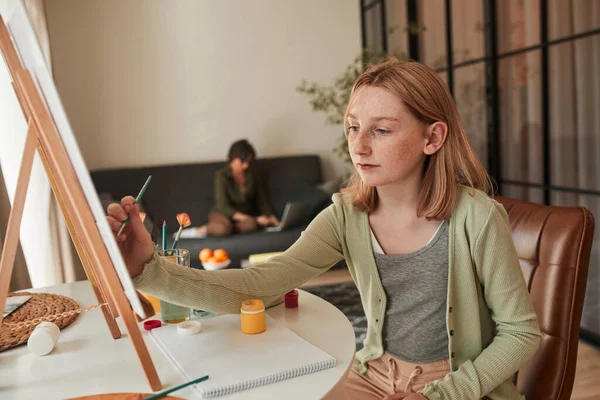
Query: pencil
pixel 164 236
pixel 138 199
pixel 166 392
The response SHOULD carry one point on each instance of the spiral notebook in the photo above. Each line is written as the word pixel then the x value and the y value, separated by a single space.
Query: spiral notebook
pixel 236 361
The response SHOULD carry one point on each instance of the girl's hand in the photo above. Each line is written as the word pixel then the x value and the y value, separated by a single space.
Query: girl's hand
pixel 135 241
pixel 263 221
pixel 274 221
pixel 238 216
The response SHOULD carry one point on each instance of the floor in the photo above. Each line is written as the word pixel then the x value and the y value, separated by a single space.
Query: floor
pixel 587 376
pixel 332 277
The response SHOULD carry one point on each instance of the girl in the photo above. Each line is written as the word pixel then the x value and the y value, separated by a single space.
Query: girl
pixel 241 203
pixel 449 315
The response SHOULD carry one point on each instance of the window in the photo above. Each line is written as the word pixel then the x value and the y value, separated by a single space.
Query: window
pixel 524 75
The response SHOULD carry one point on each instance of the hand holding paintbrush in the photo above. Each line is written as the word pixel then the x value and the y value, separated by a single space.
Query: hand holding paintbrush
pixel 138 199
pixel 126 222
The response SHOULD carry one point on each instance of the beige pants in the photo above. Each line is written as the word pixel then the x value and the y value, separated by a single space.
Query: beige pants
pixel 220 225
pixel 389 378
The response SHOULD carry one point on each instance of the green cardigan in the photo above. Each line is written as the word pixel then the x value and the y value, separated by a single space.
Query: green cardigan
pixel 492 328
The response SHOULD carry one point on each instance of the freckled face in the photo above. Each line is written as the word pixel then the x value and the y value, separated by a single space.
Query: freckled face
pixel 385 140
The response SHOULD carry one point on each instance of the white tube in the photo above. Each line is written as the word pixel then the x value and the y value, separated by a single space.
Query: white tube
pixel 43 338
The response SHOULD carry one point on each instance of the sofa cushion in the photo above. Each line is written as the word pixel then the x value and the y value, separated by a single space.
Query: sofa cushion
pixel 315 198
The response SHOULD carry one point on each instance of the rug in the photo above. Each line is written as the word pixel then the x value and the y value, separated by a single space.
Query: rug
pixel 346 298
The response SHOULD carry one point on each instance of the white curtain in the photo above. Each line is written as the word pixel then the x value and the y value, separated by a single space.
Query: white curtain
pixel 65 267
pixel 46 245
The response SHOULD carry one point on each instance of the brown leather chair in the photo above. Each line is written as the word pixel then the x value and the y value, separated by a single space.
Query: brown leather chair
pixel 553 244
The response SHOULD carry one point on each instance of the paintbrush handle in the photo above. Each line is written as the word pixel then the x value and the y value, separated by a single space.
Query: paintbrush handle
pixel 138 199
pixel 177 236
pixel 122 228
pixel 166 392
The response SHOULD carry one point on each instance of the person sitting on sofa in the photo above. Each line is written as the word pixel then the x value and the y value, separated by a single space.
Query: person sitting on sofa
pixel 241 203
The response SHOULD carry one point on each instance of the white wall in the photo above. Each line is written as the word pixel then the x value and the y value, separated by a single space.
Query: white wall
pixel 159 82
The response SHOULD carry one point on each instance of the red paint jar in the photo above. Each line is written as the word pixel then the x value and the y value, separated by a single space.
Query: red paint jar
pixel 152 324
pixel 291 299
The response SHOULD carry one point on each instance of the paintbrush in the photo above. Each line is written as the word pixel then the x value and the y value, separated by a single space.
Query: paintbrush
pixel 166 392
pixel 184 221
pixel 138 199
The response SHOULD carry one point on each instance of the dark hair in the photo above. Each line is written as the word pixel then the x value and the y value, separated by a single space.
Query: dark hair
pixel 241 149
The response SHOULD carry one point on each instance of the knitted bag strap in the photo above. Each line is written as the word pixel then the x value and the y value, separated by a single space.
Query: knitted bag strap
pixel 17 326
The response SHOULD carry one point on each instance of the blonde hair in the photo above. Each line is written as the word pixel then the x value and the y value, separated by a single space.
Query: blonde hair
pixel 427 98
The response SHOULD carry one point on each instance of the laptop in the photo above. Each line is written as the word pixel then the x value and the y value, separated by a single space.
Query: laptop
pixel 294 214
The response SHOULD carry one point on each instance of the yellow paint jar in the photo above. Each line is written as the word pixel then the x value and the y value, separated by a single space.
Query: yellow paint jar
pixel 253 316
pixel 155 301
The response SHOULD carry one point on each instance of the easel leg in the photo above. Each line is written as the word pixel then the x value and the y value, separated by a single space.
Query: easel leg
pixel 113 327
pixel 16 213
pixel 129 318
pixel 109 315
pixel 108 274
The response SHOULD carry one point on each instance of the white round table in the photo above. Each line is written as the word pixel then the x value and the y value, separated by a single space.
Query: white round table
pixel 88 361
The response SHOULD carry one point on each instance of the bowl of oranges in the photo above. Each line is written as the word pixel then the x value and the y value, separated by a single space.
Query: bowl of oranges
pixel 214 260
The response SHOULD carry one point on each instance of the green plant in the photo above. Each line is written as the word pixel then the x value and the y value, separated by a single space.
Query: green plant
pixel 332 99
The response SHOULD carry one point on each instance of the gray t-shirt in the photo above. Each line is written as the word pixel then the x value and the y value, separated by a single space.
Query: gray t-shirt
pixel 416 286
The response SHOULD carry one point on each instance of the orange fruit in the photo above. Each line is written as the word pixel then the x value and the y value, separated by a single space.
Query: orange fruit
pixel 221 255
pixel 212 260
pixel 205 254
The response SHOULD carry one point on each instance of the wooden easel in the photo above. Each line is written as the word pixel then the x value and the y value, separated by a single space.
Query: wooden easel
pixel 43 135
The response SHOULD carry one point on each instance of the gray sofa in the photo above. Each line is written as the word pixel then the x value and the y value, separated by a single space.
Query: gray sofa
pixel 189 188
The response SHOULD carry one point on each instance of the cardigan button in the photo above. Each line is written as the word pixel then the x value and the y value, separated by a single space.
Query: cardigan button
pixel 380 300
pixel 450 309
pixel 376 320
pixel 451 332
pixel 452 354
